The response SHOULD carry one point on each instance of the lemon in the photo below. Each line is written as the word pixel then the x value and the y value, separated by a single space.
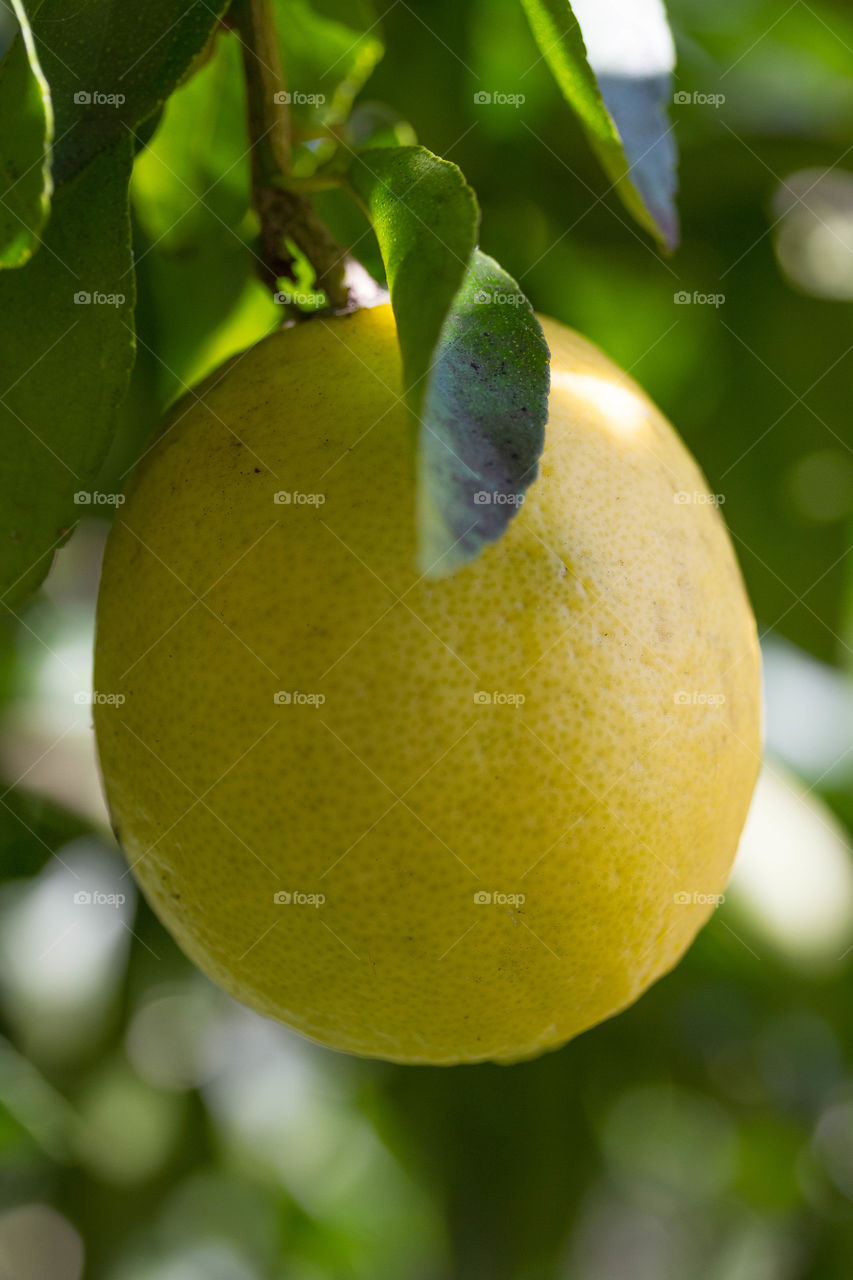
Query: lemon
pixel 428 821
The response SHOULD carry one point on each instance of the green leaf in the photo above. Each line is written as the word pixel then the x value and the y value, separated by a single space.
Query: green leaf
pixel 327 58
pixel 66 364
pixel 32 828
pixel 483 418
pixel 195 233
pixel 26 132
pixel 111 64
pixel 613 61
pixel 375 124
pixel 475 362
pixel 426 218
pixel 191 183
pixel 110 67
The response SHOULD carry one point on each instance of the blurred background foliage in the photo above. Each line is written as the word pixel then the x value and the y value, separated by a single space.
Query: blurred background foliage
pixel 150 1128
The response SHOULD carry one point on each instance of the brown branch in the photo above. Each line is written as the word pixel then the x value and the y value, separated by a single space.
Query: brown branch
pixel 285 215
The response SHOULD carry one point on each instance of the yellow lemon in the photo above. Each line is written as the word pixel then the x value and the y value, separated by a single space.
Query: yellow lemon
pixel 430 821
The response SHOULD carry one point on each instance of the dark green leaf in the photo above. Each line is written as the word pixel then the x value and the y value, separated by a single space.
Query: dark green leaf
pixel 618 83
pixel 26 131
pixel 111 65
pixel 426 218
pixel 483 418
pixel 66 363
pixel 32 828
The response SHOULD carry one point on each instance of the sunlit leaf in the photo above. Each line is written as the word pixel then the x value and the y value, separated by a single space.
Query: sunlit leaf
pixel 191 182
pixel 26 131
pixel 426 219
pixel 613 61
pixel 475 363
pixel 327 58
pixel 111 65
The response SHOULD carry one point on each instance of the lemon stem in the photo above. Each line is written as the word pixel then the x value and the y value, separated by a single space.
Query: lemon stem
pixel 287 218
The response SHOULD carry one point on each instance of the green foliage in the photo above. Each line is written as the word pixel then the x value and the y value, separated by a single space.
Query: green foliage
pixel 70 309
pixel 621 110
pixel 426 220
pixel 110 66
pixel 26 130
pixel 375 124
pixel 475 364
pixel 110 72
pixel 191 182
pixel 275 1160
pixel 327 56
pixel 32 830
pixel 74 298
